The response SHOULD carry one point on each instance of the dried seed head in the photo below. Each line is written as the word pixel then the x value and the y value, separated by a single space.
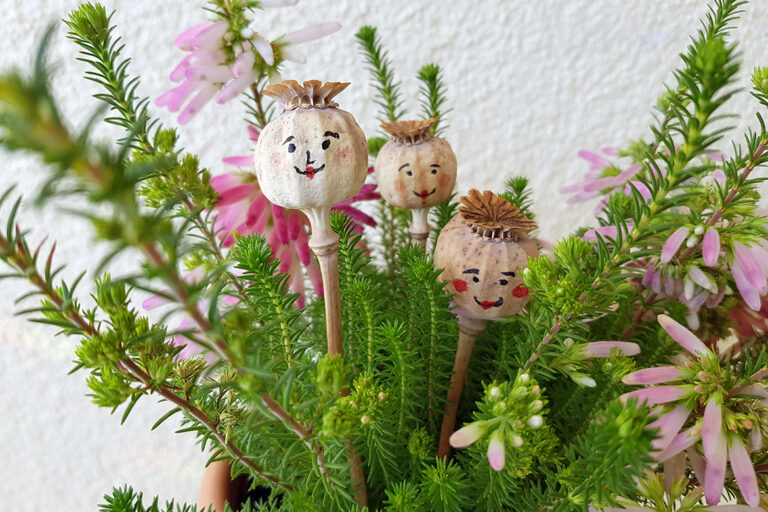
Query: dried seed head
pixel 490 216
pixel 410 132
pixel 310 94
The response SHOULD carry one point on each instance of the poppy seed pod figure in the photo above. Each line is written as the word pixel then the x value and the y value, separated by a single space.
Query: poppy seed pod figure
pixel 310 157
pixel 482 252
pixel 415 170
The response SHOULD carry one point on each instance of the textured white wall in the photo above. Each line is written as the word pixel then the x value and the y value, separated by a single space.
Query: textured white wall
pixel 530 83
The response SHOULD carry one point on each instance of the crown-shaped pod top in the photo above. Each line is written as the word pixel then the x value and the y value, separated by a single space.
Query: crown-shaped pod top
pixel 313 154
pixel 415 169
pixel 482 252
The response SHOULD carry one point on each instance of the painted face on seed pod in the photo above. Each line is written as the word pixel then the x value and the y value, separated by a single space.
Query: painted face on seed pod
pixel 313 154
pixel 415 169
pixel 482 252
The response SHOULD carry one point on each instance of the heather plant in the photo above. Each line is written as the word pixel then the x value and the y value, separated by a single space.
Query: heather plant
pixel 636 378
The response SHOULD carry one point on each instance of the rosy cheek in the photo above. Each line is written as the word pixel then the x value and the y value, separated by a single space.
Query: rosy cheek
pixel 342 155
pixel 444 180
pixel 400 186
pixel 520 291
pixel 277 160
pixel 460 285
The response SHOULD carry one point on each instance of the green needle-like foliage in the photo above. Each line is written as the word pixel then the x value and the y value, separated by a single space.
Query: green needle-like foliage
pixel 433 96
pixel 382 74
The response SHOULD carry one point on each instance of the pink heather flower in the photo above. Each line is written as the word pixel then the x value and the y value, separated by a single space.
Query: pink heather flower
pixel 683 336
pixel 718 449
pixel 669 425
pixel 673 243
pixel 749 267
pixel 657 375
pixel 743 472
pixel 305 35
pixel 601 179
pixel 711 246
pixel 468 434
pixel 201 73
pixel 244 210
pixel 654 396
pixel 604 348
pixel 496 454
pixel 711 427
pixel 718 443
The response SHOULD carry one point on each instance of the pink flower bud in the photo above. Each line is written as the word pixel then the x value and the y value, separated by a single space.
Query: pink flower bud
pixel 683 336
pixel 496 455
pixel 673 243
pixel 710 248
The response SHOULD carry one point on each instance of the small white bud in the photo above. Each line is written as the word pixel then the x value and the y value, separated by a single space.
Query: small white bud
pixel 524 378
pixel 535 390
pixel 568 342
pixel 365 419
pixel 699 230
pixel 535 421
pixel 692 241
pixel 494 393
pixel 537 405
pixel 517 441
pixel 584 380
pixel 382 396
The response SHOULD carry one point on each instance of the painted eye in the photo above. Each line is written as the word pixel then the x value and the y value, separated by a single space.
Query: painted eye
pixel 291 148
pixel 503 282
pixel 326 144
pixel 409 173
pixel 476 279
pixel 434 171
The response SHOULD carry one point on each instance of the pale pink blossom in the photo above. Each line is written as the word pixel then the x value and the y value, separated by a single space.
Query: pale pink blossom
pixel 604 348
pixel 743 472
pixel 710 249
pixel 748 268
pixel 656 375
pixel 468 434
pixel 655 396
pixel 683 336
pixel 673 243
pixel 496 451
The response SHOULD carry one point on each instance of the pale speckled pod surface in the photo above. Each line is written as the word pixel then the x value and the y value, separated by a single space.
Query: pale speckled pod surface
pixel 475 269
pixel 294 168
pixel 426 185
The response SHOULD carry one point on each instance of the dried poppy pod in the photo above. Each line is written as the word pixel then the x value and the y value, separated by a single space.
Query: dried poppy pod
pixel 310 157
pixel 415 170
pixel 482 251
pixel 314 154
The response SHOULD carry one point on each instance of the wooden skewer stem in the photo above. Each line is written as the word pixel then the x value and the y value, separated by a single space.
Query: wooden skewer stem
pixel 469 330
pixel 325 244
pixel 419 228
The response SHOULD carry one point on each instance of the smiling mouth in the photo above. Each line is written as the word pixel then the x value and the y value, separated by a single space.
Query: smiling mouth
pixel 424 194
pixel 309 171
pixel 488 304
